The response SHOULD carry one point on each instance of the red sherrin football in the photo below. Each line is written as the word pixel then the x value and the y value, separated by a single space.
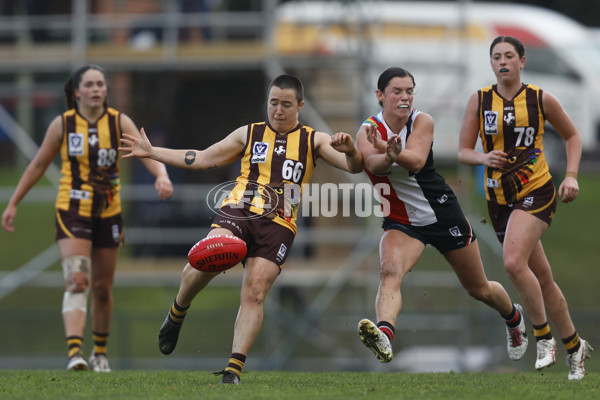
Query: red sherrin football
pixel 217 253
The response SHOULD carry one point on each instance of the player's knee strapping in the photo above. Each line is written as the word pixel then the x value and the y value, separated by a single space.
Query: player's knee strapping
pixel 76 295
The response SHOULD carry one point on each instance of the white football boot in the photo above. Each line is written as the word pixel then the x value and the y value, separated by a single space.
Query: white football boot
pixel 99 363
pixel 517 338
pixel 77 363
pixel 376 340
pixel 575 360
pixel 546 353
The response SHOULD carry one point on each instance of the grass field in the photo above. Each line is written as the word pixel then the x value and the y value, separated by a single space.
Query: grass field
pixel 33 385
pixel 571 244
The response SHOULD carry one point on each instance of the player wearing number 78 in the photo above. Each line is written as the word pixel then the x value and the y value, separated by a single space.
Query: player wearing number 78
pixel 88 206
pixel 509 117
pixel 275 153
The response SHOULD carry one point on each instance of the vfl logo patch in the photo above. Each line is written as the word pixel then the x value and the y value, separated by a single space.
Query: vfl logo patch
pixel 75 142
pixel 282 251
pixel 442 199
pixel 528 201
pixel 490 123
pixel 259 152
pixel 454 231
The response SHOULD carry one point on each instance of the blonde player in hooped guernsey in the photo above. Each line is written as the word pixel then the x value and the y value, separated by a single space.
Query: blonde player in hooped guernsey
pixel 274 154
pixel 88 207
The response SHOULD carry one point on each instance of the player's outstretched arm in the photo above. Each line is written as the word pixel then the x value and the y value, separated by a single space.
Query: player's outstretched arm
pixel 221 153
pixel 339 151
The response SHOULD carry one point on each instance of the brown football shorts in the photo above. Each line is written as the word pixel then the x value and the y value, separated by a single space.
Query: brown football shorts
pixel 264 238
pixel 103 232
pixel 540 203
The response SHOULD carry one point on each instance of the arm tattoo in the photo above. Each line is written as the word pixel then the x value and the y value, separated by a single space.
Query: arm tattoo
pixel 190 157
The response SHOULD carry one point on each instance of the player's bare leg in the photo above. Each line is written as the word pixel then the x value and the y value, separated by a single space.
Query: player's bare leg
pixel 192 283
pixel 75 315
pixel 578 350
pixel 259 276
pixel 554 300
pixel 522 234
pixel 468 267
pixel 398 253
pixel 104 261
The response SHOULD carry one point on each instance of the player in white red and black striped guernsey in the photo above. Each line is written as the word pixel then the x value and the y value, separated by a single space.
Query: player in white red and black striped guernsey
pixel 420 209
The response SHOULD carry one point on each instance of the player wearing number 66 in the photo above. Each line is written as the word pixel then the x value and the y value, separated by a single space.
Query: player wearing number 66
pixel 88 206
pixel 273 154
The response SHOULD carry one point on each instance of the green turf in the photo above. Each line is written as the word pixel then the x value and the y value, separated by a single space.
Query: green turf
pixel 571 244
pixel 34 233
pixel 294 385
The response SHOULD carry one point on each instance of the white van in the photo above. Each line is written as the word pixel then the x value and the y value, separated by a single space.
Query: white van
pixel 445 45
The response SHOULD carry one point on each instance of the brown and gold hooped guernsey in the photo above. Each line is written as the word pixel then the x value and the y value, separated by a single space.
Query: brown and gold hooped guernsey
pixel 90 165
pixel 274 168
pixel 515 127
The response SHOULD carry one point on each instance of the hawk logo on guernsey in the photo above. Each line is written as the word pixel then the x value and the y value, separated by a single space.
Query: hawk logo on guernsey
pixel 509 118
pixel 490 123
pixel 75 144
pixel 280 150
pixel 259 152
pixel 93 140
